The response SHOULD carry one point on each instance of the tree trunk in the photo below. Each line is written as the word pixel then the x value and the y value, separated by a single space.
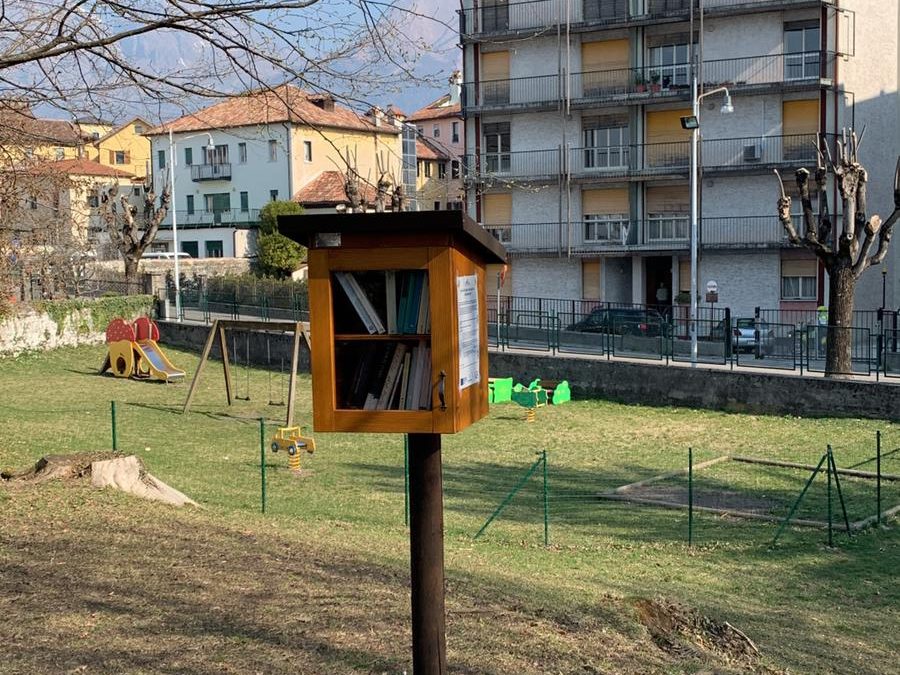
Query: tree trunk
pixel 131 276
pixel 838 349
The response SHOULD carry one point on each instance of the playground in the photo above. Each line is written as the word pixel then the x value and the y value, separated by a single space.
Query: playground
pixel 102 582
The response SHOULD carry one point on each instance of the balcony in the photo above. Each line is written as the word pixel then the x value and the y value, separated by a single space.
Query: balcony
pixel 524 17
pixel 219 218
pixel 650 84
pixel 669 232
pixel 201 172
pixel 643 160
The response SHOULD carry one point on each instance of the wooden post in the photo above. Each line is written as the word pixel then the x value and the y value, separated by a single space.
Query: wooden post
pixel 292 384
pixel 426 547
pixel 203 357
pixel 226 366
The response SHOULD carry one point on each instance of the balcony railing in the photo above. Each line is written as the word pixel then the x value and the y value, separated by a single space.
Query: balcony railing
pixel 211 172
pixel 669 232
pixel 528 15
pixel 635 160
pixel 650 83
pixel 215 218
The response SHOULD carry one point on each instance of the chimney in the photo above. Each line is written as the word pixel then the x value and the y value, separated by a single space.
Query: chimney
pixel 377 115
pixel 455 87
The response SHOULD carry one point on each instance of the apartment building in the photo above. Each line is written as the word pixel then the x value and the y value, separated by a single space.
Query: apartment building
pixel 577 160
pixel 266 145
pixel 121 146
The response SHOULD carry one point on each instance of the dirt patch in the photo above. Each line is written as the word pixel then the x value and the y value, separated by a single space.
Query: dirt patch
pixel 62 467
pixel 724 500
pixel 683 632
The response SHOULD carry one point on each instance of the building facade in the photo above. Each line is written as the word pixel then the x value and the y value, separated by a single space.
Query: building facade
pixel 234 157
pixel 577 160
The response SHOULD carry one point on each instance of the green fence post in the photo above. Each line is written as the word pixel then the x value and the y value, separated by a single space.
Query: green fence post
pixel 799 499
pixel 830 533
pixel 509 496
pixel 112 412
pixel 690 497
pixel 546 502
pixel 262 463
pixel 406 479
pixel 840 494
pixel 878 477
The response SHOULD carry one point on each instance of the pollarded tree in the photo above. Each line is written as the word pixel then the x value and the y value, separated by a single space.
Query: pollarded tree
pixel 132 230
pixel 845 254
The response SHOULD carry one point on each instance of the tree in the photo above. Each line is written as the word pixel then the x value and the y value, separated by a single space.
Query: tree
pixel 847 255
pixel 130 231
pixel 278 256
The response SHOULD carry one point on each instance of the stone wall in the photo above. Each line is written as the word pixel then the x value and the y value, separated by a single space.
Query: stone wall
pixel 189 267
pixel 66 323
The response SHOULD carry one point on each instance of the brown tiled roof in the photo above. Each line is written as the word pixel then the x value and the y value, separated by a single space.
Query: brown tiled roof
pixel 282 104
pixel 327 189
pixel 437 110
pixel 427 149
pixel 85 167
pixel 19 127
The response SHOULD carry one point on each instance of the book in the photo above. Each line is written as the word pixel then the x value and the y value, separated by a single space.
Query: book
pixel 390 279
pixel 344 280
pixel 404 380
pixel 415 294
pixel 378 374
pixel 365 302
pixel 356 396
pixel 415 380
pixel 425 391
pixel 390 380
pixel 421 325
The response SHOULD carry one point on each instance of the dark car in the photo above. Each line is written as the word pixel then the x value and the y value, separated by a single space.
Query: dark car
pixel 621 321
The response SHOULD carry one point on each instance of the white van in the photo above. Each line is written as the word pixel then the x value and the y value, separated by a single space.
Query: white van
pixel 164 255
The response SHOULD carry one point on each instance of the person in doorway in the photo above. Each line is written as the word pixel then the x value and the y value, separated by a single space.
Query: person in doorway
pixel 662 298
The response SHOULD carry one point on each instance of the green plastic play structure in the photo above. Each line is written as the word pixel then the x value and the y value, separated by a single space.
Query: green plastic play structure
pixel 536 394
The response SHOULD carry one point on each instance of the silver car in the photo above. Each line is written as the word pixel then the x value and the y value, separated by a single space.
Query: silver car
pixel 747 333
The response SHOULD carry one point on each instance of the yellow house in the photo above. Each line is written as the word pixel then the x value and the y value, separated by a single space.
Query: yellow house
pixel 24 137
pixel 124 147
pixel 438 184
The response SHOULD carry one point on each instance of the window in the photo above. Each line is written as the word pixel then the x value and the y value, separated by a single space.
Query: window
pixel 801 47
pixel 214 248
pixel 95 135
pixel 436 131
pixel 606 227
pixel 667 227
pixel 495 15
pixel 191 248
pixel 137 191
pixel 606 148
pixel 420 131
pixel 273 195
pixel 93 200
pixel 121 157
pixel 496 145
pixel 217 202
pixel 245 202
pixel 307 151
pixel 669 65
pixel 60 153
pixel 32 203
pixel 455 132
pixel 188 156
pixel 138 128
pixel 454 168
pixel 419 169
pixel 218 155
pixel 242 153
pixel 798 288
pixel 273 150
pixel 427 169
pixel 437 206
pixel 161 158
pixel 442 170
pixel 190 205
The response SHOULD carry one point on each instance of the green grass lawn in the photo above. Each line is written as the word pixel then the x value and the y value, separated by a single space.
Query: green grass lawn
pixel 807 607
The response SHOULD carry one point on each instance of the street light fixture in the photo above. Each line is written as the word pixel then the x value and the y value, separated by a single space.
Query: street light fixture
pixel 692 122
pixel 172 159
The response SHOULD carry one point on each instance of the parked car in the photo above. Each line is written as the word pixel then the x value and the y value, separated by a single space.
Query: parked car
pixel 744 335
pixel 621 321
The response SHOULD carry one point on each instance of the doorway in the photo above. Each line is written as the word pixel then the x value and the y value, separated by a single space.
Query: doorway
pixel 659 276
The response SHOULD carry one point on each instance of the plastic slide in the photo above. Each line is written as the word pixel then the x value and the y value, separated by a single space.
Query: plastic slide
pixel 159 366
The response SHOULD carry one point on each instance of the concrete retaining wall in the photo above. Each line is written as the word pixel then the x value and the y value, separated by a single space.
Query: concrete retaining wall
pixel 649 384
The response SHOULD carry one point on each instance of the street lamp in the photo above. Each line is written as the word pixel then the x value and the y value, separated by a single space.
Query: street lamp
pixel 692 122
pixel 211 147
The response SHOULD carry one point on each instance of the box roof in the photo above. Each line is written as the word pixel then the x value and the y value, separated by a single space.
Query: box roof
pixel 458 227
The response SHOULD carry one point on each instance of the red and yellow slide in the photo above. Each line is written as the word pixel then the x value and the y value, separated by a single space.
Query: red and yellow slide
pixel 134 352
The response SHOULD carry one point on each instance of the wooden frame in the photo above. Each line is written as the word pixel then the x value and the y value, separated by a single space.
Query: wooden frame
pixel 300 330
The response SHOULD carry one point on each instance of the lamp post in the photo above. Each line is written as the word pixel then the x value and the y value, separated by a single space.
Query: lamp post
pixel 693 124
pixel 211 147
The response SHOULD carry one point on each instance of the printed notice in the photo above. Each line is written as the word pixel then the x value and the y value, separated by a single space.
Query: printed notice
pixel 469 333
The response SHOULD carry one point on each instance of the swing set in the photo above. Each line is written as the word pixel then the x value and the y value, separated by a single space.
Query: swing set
pixel 233 391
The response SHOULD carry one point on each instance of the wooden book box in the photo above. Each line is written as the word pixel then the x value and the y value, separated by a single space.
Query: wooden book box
pixel 397 319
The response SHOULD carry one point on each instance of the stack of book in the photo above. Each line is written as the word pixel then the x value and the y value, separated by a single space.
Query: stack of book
pixel 405 299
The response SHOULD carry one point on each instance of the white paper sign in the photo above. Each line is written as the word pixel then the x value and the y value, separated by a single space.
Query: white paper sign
pixel 469 333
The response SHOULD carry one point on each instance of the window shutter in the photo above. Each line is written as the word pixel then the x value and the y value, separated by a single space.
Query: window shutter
pixel 669 199
pixel 800 117
pixel 497 209
pixel 798 268
pixel 590 279
pixel 684 276
pixel 605 202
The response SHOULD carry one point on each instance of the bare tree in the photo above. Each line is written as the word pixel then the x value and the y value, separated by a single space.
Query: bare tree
pixel 130 230
pixel 845 255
